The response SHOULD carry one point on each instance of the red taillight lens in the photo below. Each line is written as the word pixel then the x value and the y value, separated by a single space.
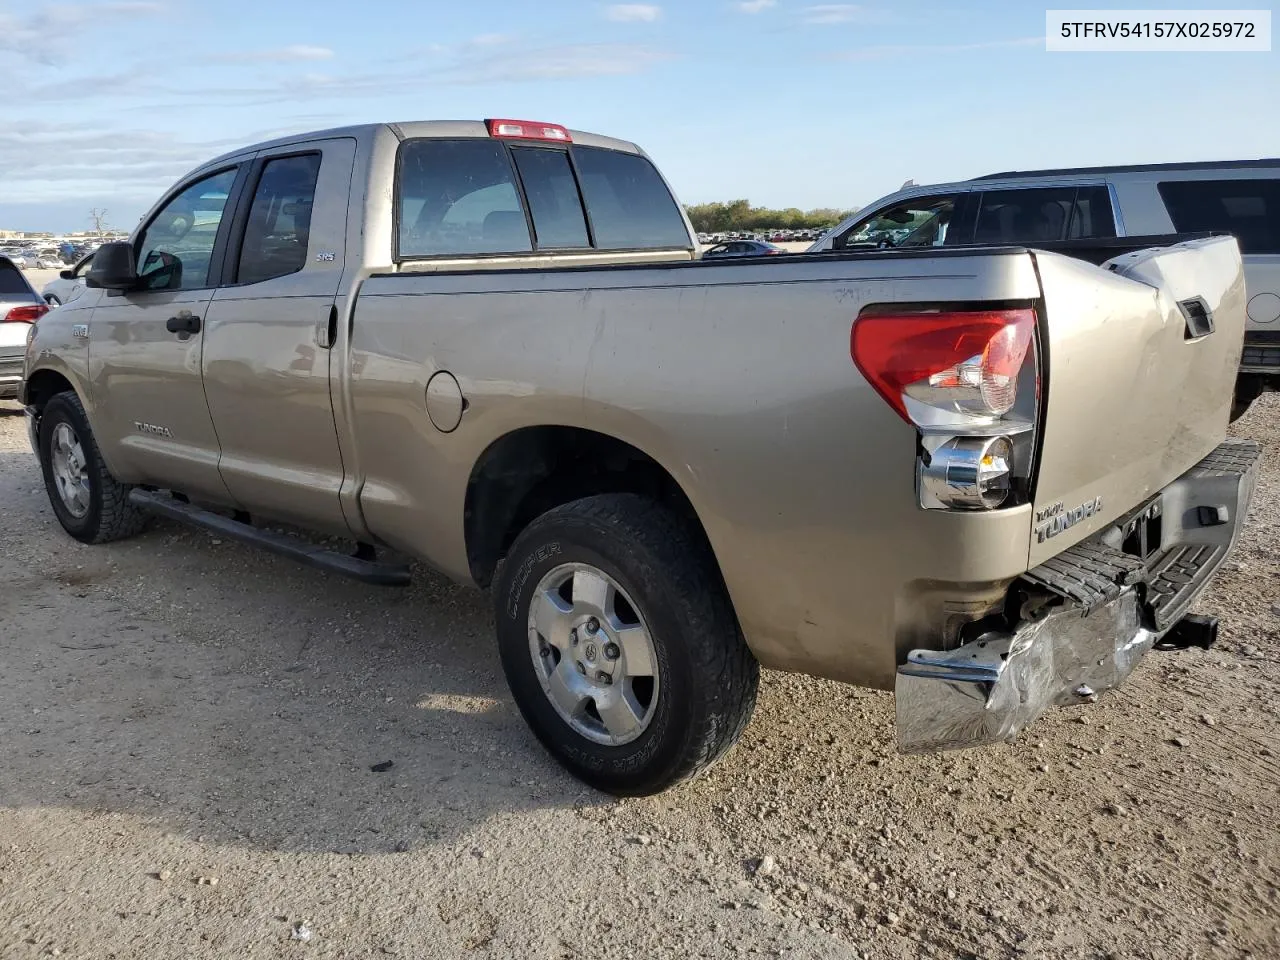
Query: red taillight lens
pixel 960 362
pixel 27 314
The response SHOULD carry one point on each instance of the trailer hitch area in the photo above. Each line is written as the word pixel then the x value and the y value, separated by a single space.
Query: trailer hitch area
pixel 1193 630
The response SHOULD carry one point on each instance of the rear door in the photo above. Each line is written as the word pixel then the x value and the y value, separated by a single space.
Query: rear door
pixel 269 334
pixel 146 376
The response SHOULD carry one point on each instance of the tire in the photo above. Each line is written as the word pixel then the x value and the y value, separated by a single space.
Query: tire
pixel 703 678
pixel 52 300
pixel 106 512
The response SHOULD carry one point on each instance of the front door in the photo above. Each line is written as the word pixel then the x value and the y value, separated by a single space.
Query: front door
pixel 145 346
pixel 269 331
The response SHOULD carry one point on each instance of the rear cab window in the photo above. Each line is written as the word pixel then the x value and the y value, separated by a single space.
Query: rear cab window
pixel 486 197
pixel 1248 208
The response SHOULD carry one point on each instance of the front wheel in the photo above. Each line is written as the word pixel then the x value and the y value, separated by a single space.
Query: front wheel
pixel 620 645
pixel 86 499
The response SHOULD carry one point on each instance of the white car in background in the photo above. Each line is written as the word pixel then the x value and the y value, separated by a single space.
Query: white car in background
pixel 69 285
pixel 20 307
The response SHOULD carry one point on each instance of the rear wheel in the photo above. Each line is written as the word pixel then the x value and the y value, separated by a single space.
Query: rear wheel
pixel 620 645
pixel 86 499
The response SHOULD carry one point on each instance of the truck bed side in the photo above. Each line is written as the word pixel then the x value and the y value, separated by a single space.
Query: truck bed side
pixel 737 380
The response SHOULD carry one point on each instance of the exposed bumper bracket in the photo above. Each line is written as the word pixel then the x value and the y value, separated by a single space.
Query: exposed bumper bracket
pixel 1115 608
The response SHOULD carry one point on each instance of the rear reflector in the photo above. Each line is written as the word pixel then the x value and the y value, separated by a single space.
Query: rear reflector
pixel 27 314
pixel 528 130
pixel 962 362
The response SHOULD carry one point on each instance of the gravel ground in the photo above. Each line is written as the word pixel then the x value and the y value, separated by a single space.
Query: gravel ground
pixel 208 751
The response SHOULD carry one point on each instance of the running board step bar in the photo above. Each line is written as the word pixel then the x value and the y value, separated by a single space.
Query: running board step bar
pixel 365 570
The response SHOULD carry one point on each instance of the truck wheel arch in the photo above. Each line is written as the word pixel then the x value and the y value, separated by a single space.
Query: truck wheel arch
pixel 531 470
pixel 43 385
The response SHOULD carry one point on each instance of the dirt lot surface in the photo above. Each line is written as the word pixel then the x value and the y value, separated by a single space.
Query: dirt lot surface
pixel 190 733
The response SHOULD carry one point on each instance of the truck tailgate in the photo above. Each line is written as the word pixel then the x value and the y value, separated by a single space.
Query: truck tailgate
pixel 1138 390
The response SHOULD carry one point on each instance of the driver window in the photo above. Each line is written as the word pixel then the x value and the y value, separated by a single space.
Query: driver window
pixel 919 222
pixel 175 250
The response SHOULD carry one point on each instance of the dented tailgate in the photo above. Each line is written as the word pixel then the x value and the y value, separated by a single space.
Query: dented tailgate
pixel 1138 389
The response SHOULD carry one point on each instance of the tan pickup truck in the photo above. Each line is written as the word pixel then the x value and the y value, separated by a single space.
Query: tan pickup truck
pixel 989 478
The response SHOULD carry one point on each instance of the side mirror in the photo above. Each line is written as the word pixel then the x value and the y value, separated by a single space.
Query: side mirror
pixel 66 275
pixel 113 268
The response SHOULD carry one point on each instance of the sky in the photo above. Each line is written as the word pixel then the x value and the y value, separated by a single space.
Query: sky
pixel 782 102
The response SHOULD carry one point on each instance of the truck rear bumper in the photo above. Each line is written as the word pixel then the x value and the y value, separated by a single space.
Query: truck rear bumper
pixel 10 376
pixel 1115 607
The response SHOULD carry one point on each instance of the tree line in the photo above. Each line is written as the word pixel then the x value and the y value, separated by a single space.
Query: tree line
pixel 741 215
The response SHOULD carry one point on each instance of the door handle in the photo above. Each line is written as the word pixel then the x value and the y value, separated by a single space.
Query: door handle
pixel 184 322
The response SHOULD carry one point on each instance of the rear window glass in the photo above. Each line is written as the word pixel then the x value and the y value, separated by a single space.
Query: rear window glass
pixel 630 206
pixel 463 198
pixel 459 197
pixel 553 197
pixel 13 285
pixel 1247 208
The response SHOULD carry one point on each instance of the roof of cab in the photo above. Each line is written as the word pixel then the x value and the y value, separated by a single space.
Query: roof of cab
pixel 411 130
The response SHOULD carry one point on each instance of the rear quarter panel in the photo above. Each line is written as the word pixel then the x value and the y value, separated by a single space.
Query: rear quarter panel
pixel 737 379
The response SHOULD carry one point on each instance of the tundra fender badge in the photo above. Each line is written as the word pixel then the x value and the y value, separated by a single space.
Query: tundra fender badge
pixel 153 429
pixel 1053 519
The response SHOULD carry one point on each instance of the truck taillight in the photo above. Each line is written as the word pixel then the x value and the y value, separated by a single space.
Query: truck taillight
pixel 968 380
pixel 528 130
pixel 966 362
pixel 27 314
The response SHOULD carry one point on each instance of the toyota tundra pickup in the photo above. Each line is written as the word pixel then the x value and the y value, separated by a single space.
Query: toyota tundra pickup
pixel 989 478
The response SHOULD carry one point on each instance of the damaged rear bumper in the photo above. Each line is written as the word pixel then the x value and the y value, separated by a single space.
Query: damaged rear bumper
pixel 1115 607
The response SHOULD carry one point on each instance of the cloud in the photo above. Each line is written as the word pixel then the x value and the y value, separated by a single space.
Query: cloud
pixel 755 6
pixel 885 52
pixel 466 66
pixel 565 62
pixel 46 162
pixel 633 12
pixel 49 34
pixel 836 13
pixel 290 54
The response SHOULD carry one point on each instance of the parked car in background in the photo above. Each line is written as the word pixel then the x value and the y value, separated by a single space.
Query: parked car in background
pixel 20 306
pixel 1241 197
pixel 68 285
pixel 20 257
pixel 741 248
